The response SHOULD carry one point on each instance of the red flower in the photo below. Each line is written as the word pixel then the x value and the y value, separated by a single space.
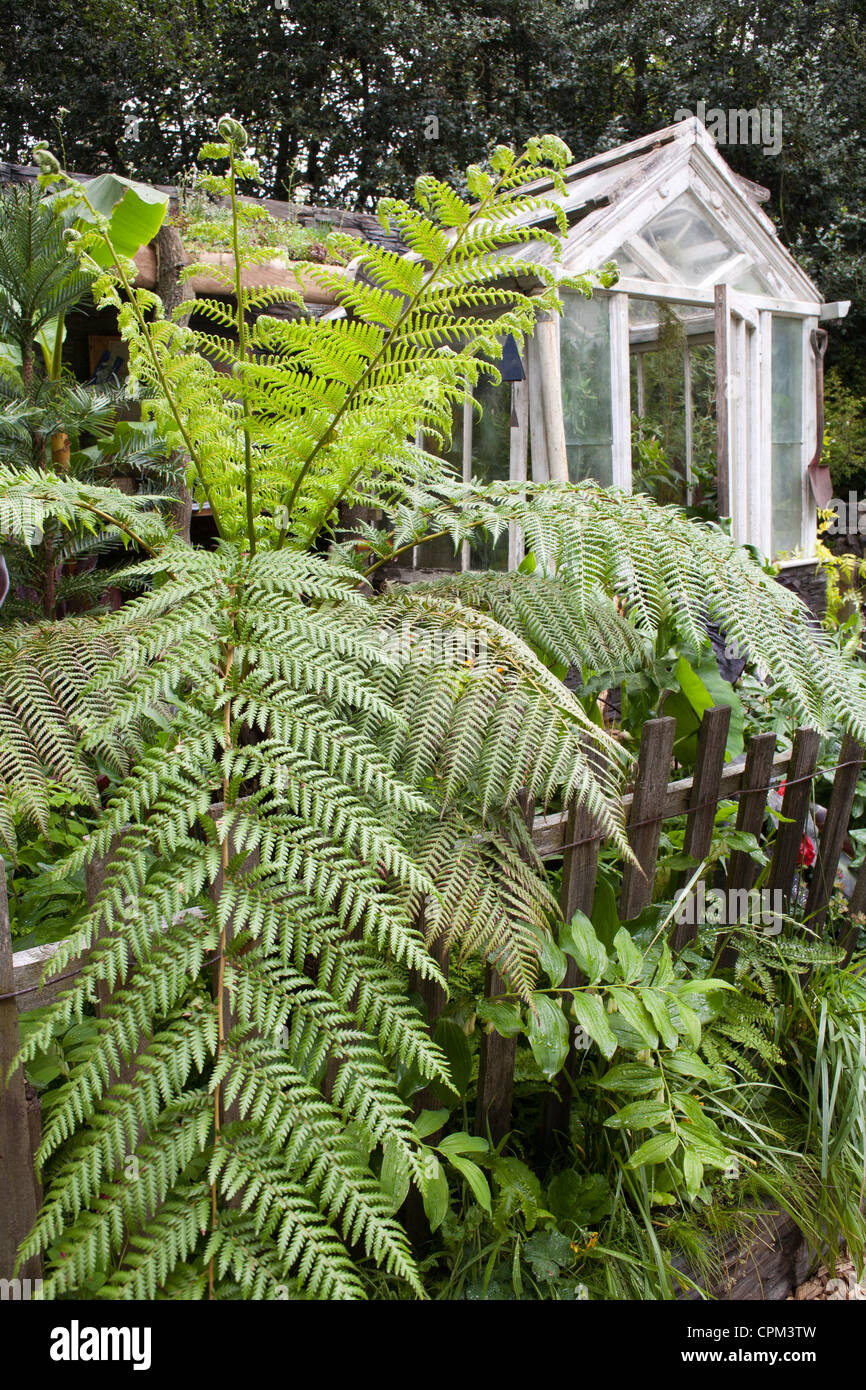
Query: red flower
pixel 807 844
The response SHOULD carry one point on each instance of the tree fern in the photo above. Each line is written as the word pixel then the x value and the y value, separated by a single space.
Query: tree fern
pixel 320 780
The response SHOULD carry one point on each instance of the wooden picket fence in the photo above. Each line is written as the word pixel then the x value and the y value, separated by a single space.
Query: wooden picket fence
pixel 654 800
pixel 573 839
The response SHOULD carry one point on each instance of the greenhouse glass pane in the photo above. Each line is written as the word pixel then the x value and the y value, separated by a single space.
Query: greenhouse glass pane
pixel 751 281
pixel 687 241
pixel 627 266
pixel 586 388
pixel 787 427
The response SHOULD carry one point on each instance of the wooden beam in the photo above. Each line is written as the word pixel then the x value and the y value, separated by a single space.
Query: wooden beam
pixel 742 868
pixel 723 400
pixel 620 393
pixel 517 461
pixel 547 338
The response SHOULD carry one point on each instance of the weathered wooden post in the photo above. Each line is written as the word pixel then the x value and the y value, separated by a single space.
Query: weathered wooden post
pixel 19 1201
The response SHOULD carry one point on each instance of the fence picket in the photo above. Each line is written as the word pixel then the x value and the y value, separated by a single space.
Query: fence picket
pixel 742 868
pixel 647 812
pixel 795 809
pixel 712 741
pixel 833 832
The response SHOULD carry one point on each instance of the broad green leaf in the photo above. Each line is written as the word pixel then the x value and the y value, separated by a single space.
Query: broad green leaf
pixel 590 1013
pixel 548 1035
pixel 580 941
pixel 635 1015
pixel 135 211
pixel 505 1018
pixel 702 986
pixel 640 1114
pixel 687 1064
pixel 656 1006
pixel 665 967
pixel 429 1121
pixel 689 1020
pixel 693 1172
pixel 463 1144
pixel 395 1176
pixel 631 1078
pixel 628 954
pixel 476 1180
pixel 654 1150
pixel 455 1044
pixel 553 961
pixel 581 1200
pixel 47 339
pixel 435 1192
pixel 605 918
pixel 10 355
pixel 693 687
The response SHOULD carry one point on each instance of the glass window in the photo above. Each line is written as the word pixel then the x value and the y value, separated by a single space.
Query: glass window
pixel 682 235
pixel 627 266
pixel 586 388
pixel 673 395
pixel 787 427
pixel 751 281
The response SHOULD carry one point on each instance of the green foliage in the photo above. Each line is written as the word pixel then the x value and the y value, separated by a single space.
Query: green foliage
pixel 56 434
pixel 318 780
pixel 844 435
pixel 40 908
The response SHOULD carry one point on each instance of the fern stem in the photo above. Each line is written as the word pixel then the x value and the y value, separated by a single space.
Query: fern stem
pixel 411 545
pixel 157 365
pixel 220 989
pixel 388 341
pixel 243 350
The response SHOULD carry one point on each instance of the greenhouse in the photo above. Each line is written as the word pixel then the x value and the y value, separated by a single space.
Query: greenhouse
pixel 710 312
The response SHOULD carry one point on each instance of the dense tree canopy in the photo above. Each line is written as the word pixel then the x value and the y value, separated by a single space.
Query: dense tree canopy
pixel 350 99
